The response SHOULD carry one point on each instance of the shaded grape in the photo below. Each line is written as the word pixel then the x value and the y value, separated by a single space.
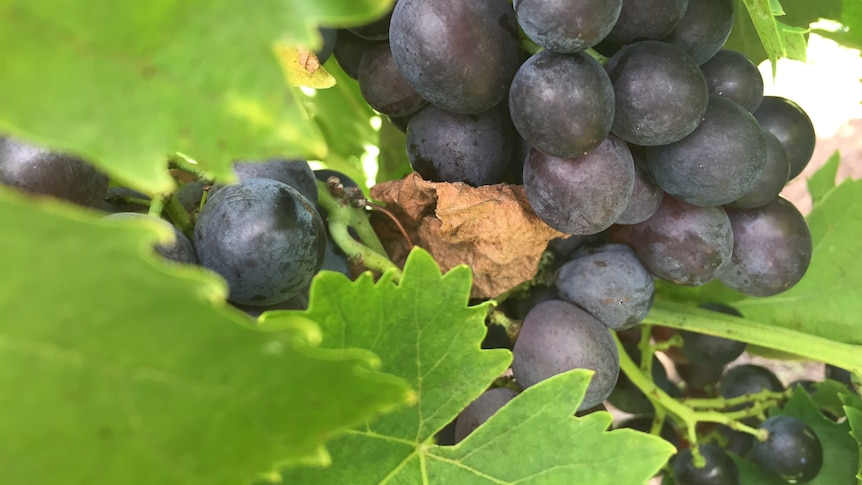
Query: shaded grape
pixel 349 49
pixel 584 195
pixel 771 181
pixel 792 451
pixel 296 173
pixel 643 423
pixel 376 29
pixel 661 95
pixel 179 251
pixel 710 350
pixel 647 19
pixel 457 54
pixel 562 104
pixel 609 282
pixel 556 337
pixel 747 379
pixel 718 162
pixel 263 237
pixel 718 470
pixel 383 86
pixel 478 411
pixel 704 28
pixel 681 243
pixel 791 125
pixel 646 195
pixel 731 75
pixel 444 146
pixel 567 27
pixel 771 249
pixel 40 171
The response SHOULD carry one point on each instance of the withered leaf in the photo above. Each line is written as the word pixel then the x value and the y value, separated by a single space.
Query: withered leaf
pixel 491 228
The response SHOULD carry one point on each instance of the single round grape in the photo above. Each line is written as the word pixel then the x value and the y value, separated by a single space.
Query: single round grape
pixel 40 171
pixel 610 283
pixel 718 470
pixel 718 162
pixel 646 194
pixel 567 27
pixel 263 237
pixel 738 442
pixel 349 49
pixel 376 29
pixel 710 350
pixel 772 179
pixel 444 146
pixel 661 95
pixel 793 128
pixel 681 243
pixel 480 410
pixel 459 55
pixel 330 37
pixel 771 249
pixel 731 75
pixel 643 423
pixel 747 379
pixel 792 451
pixel 180 251
pixel 698 376
pixel 584 195
pixel 296 173
pixel 647 19
pixel 557 337
pixel 562 104
pixel 383 86
pixel 704 28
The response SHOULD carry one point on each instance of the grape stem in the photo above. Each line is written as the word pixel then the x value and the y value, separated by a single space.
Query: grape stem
pixel 688 317
pixel 342 217
pixel 179 215
pixel 687 416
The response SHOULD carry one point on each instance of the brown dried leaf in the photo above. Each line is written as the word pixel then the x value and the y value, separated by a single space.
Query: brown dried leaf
pixel 492 229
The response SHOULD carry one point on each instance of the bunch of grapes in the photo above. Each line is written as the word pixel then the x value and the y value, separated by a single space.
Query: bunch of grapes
pixel 632 130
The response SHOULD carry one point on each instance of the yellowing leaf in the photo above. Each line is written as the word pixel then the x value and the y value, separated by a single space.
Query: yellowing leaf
pixel 302 68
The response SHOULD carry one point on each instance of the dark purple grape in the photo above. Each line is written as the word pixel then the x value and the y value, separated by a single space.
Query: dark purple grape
pixel 718 470
pixel 771 180
pixel 792 451
pixel 335 260
pixel 738 442
pixel 180 251
pixel 564 26
pixel 646 195
pixel 609 282
pixel 731 75
pixel 557 337
pixel 793 128
pixel 681 243
pixel 383 86
pixel 459 55
pixel 444 146
pixel 584 195
pixel 40 171
pixel 704 28
pixel 838 374
pixel 296 173
pixel 628 398
pixel 478 411
pixel 375 30
pixel 643 423
pixel 710 350
pixel 190 195
pixel 771 249
pixel 747 379
pixel 718 162
pixel 647 19
pixel 349 49
pixel 330 37
pixel 562 104
pixel 698 376
pixel 263 237
pixel 661 95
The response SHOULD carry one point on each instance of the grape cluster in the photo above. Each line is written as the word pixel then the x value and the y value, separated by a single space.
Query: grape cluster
pixel 264 235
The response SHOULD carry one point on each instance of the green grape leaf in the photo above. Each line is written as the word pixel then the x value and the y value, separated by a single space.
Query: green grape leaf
pixel 424 332
pixel 344 118
pixel 828 298
pixel 827 397
pixel 853 411
pixel 118 367
pixel 840 451
pixel 392 161
pixel 759 34
pixel 125 84
pixel 750 473
pixel 824 180
pixel 849 32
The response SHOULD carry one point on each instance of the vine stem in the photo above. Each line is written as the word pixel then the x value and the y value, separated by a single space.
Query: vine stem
pixel 343 217
pixel 687 317
pixel 689 417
